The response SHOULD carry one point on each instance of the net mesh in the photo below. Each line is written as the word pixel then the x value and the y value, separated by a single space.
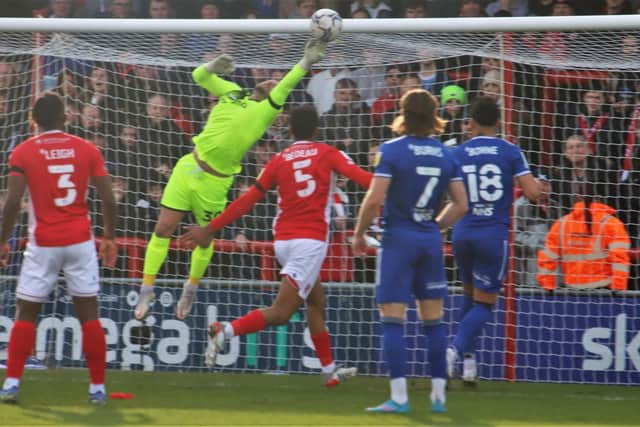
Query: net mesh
pixel 133 96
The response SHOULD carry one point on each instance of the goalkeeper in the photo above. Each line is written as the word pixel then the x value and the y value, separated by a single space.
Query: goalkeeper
pixel 201 180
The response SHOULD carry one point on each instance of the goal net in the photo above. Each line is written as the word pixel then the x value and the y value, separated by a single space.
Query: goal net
pixel 128 89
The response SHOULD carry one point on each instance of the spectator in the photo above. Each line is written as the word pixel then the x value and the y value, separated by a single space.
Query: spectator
pixel 130 156
pixel 618 7
pixel 198 44
pixel 103 92
pixel 70 86
pixel 571 174
pixel 471 9
pixel 322 86
pixel 166 142
pixel 492 86
pixel 376 8
pixel 586 249
pixel 148 205
pixel 10 136
pixel 433 80
pixel 160 9
pixel 540 7
pixel 348 123
pixel 259 156
pixel 121 9
pixel 532 221
pixel 408 82
pixel 414 9
pixel 370 79
pixel 592 120
pixel 385 106
pixel 453 101
pixel 91 121
pixel 360 13
pixel 508 8
pixel 61 9
pixel 268 9
pixel 304 9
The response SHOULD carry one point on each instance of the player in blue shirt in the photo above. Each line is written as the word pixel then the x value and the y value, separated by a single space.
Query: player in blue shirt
pixel 481 239
pixel 413 173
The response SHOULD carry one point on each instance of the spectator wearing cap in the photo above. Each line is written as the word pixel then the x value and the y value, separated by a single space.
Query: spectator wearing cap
pixel 453 101
pixel 531 225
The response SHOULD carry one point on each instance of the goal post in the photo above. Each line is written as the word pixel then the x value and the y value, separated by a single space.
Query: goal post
pixel 127 88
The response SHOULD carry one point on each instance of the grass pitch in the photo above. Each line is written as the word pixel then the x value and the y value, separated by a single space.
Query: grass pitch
pixel 58 397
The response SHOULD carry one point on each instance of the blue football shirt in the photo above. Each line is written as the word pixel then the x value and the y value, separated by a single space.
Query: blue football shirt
pixel 489 166
pixel 420 169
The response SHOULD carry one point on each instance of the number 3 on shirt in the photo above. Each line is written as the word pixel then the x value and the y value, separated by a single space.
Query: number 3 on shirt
pixel 304 177
pixel 64 182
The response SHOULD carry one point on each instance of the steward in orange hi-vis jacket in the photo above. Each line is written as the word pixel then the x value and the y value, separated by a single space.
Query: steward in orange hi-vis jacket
pixel 590 247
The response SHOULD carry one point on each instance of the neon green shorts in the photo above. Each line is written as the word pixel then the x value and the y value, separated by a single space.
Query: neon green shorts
pixel 190 189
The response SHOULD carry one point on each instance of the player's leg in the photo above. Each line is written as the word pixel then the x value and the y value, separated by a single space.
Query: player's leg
pixel 38 275
pixel 176 202
pixel 464 256
pixel 208 199
pixel 332 374
pixel 430 289
pixel 21 343
pixel 490 266
pixel 286 303
pixel 393 290
pixel 81 274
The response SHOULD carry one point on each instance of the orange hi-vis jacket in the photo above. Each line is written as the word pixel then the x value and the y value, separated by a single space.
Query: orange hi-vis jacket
pixel 586 261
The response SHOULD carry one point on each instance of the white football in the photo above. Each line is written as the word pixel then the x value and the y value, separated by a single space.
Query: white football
pixel 326 25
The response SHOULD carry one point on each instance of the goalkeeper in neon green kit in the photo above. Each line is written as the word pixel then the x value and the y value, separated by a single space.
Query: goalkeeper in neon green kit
pixel 201 180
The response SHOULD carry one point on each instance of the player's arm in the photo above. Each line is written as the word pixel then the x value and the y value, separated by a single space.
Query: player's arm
pixel 345 166
pixel 369 210
pixel 530 186
pixel 17 185
pixel 456 208
pixel 314 51
pixel 108 250
pixel 206 75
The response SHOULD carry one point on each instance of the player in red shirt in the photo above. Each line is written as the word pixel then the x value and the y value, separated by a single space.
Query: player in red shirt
pixel 57 168
pixel 305 176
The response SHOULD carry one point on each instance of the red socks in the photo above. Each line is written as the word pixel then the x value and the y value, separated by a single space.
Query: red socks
pixel 21 341
pixel 249 323
pixel 95 350
pixel 322 344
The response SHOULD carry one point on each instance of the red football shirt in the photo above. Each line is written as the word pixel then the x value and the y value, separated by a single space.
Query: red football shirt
pixel 58 167
pixel 305 176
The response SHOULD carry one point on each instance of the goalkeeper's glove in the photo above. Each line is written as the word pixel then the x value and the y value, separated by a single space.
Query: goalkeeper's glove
pixel 221 65
pixel 314 51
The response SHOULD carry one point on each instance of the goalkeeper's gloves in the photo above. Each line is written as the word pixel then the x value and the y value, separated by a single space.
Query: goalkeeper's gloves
pixel 314 51
pixel 221 65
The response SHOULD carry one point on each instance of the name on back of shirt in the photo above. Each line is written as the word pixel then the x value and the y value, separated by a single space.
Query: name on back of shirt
pixel 60 153
pixel 478 151
pixel 300 153
pixel 425 150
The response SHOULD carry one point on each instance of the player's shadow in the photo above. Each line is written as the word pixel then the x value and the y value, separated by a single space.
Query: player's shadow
pixel 107 415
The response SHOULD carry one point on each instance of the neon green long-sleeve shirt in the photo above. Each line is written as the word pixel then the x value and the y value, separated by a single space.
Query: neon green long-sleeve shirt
pixel 237 122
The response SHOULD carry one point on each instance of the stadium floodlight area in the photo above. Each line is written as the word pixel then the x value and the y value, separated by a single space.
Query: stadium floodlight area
pixel 127 87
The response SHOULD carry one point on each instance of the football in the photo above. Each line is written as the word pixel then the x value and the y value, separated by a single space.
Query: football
pixel 326 24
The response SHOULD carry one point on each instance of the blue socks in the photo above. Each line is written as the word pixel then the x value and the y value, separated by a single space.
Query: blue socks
pixel 394 346
pixel 470 327
pixel 437 347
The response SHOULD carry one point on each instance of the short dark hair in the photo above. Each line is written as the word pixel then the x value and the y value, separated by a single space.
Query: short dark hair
pixel 485 111
pixel 303 122
pixel 48 111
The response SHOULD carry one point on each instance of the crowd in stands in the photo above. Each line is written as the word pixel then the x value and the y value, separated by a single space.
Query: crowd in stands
pixel 143 116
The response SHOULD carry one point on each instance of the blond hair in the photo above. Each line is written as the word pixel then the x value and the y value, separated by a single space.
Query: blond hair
pixel 418 114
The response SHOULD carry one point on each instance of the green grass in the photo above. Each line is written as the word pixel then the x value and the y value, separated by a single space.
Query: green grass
pixel 58 397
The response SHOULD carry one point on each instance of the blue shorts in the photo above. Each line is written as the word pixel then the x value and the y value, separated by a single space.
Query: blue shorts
pixel 410 264
pixel 482 263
